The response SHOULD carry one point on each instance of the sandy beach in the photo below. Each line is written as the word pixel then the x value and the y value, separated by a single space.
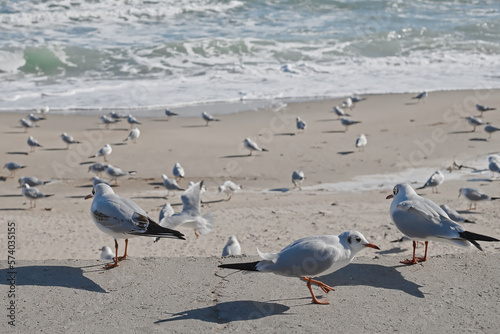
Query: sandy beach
pixel 344 189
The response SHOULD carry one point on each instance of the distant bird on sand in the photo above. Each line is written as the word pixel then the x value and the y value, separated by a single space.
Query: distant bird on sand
pixel 103 152
pixel 347 123
pixel 229 188
pixel 107 120
pixel 133 135
pixel 232 247
pixel 170 184
pixel 208 118
pixel 421 96
pixel 252 146
pixel 33 194
pixel 490 129
pixel 26 124
pixel 482 108
pixel 297 178
pixel 33 143
pixel 474 122
pixel 12 167
pixel 169 113
pixel 132 121
pixel 115 172
pixel 178 172
pixel 339 112
pixel 436 179
pixel 68 140
pixel 301 125
pixel 361 142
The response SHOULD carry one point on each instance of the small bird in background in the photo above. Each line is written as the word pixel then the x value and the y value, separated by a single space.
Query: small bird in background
pixel 26 124
pixel 107 120
pixel 33 194
pixel 115 173
pixel 297 178
pixel 229 188
pixel 494 164
pixel 301 125
pixel 34 118
pixel 33 143
pixel 421 97
pixel 178 172
pixel 208 118
pixel 436 179
pixel 133 135
pixel 69 140
pixel 482 108
pixel 252 146
pixel 170 113
pixel 12 167
pixel 347 123
pixel 202 191
pixel 455 216
pixel 232 247
pixel 44 111
pixel 116 116
pixel 103 152
pixel 355 98
pixel 490 129
pixel 348 103
pixel 166 211
pixel 31 181
pixel 361 142
pixel 132 121
pixel 474 122
pixel 106 253
pixel 473 195
pixel 339 112
pixel 170 184
pixel 97 168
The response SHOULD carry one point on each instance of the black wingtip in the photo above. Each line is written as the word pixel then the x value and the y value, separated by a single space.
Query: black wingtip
pixel 249 266
pixel 474 237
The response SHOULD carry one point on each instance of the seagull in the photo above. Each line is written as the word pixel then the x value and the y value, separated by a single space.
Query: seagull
pixel 178 172
pixel 356 99
pixel 347 122
pixel 297 178
pixel 115 173
pixel 232 247
pixel 348 103
pixel 490 129
pixel 191 213
pixel 103 152
pixel 166 211
pixel 301 125
pixel 69 140
pixel 97 180
pixel 252 146
pixel 34 118
pixel 31 181
pixel 133 135
pixel 106 253
pixel 339 112
pixel 97 168
pixel 482 108
pixel 475 195
pixel 421 96
pixel 310 257
pixel 44 110
pixel 32 142
pixel 436 179
pixel 132 121
pixel 474 122
pixel 106 120
pixel 169 113
pixel 229 188
pixel 116 116
pixel 26 124
pixel 123 219
pixel 203 189
pixel 455 216
pixel 12 167
pixel 208 118
pixel 421 219
pixel 494 164
pixel 170 184
pixel 361 142
pixel 33 194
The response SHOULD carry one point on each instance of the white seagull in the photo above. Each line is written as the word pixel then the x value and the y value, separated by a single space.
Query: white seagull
pixel 421 219
pixel 297 178
pixel 310 257
pixel 361 142
pixel 191 213
pixel 232 247
pixel 97 168
pixel 31 181
pixel 339 112
pixel 26 124
pixel 421 96
pixel 115 173
pixel 494 164
pixel 475 195
pixel 106 253
pixel 455 216
pixel 436 179
pixel 252 146
pixel 178 172
pixel 166 211
pixel 123 219
pixel 12 167
pixel 33 194
pixel 33 143
pixel 106 120
pixel 170 113
pixel 103 152
pixel 69 140
pixel 347 123
pixel 34 118
pixel 117 116
pixel 229 188
pixel 301 125
pixel 133 135
pixel 482 108
pixel 208 118
pixel 170 184
pixel 132 121
pixel 474 122
pixel 490 129
pixel 348 103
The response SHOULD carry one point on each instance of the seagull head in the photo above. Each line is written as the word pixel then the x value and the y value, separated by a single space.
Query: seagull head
pixel 99 190
pixel 401 189
pixel 355 241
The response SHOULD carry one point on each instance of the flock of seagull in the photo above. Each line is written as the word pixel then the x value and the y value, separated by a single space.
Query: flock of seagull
pixel 418 218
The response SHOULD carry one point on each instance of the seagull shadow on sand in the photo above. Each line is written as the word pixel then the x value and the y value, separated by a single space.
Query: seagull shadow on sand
pixel 478 139
pixel 280 190
pixel 51 276
pixel 459 132
pixel 285 134
pixel 374 275
pixel 195 126
pixel 334 131
pixel 237 156
pixel 345 152
pixel 223 313
pixel 18 153
pixel 55 149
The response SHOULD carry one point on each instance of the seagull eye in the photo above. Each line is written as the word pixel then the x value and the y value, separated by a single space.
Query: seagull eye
pixel 358 239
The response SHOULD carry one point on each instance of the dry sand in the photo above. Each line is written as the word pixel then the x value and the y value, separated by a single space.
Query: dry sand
pixel 344 189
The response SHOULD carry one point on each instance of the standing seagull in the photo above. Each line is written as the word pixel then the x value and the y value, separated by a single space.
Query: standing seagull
pixel 106 253
pixel 123 219
pixel 106 120
pixel 34 118
pixel 347 123
pixel 490 129
pixel 33 194
pixel 494 164
pixel 208 118
pixel 115 173
pixel 170 184
pixel 103 152
pixel 191 213
pixel 436 179
pixel 252 146
pixel 12 167
pixel 301 125
pixel 348 103
pixel 474 122
pixel 32 142
pixel 232 247
pixel 97 168
pixel 297 178
pixel 178 172
pixel 132 121
pixel 31 181
pixel 475 195
pixel 361 142
pixel 455 216
pixel 421 96
pixel 482 108
pixel 229 188
pixel 26 124
pixel 310 257
pixel 169 113
pixel 339 112
pixel 68 140
pixel 421 219
pixel 133 135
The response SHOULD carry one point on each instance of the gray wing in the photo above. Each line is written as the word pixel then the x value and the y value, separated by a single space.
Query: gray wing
pixel 191 203
pixel 120 214
pixel 475 195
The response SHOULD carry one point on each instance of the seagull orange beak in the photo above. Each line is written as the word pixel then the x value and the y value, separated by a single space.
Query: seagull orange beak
pixel 389 196
pixel 372 246
pixel 88 196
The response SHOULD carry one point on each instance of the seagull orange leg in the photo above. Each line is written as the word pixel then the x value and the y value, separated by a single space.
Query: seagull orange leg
pixel 121 258
pixel 414 260
pixel 116 263
pixel 315 300
pixel 423 259
pixel 196 233
pixel 323 286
